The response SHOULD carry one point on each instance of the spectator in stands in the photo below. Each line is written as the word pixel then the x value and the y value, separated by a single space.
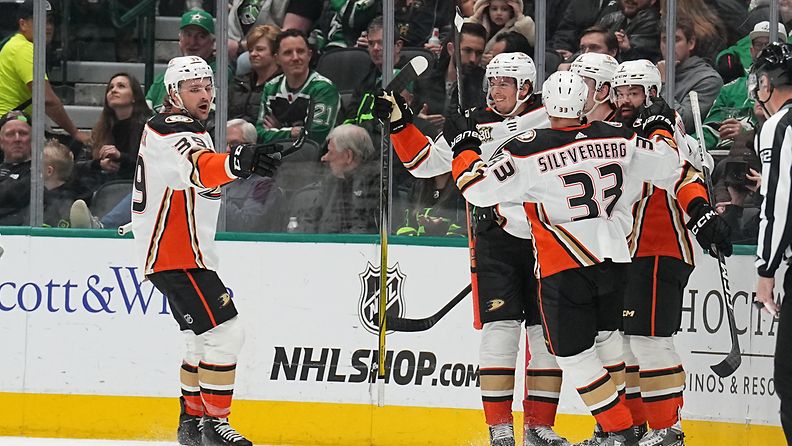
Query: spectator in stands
pixel 58 162
pixel 732 113
pixel 16 76
pixel 285 100
pixel 736 182
pixel 196 38
pixel 15 142
pixel 579 15
pixel 709 29
pixel 500 17
pixel 636 25
pixel 595 39
pixel 244 100
pixel 436 89
pixel 244 15
pixel 346 199
pixel 360 107
pixel 251 203
pixel 692 72
pixel 116 135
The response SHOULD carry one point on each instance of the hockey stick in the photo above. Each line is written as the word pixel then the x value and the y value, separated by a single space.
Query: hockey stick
pixel 413 325
pixel 458 22
pixel 733 360
pixel 410 72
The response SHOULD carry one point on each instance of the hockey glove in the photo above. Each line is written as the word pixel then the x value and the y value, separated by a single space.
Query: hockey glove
pixel 658 116
pixel 709 228
pixel 268 159
pixel 459 135
pixel 241 160
pixel 393 107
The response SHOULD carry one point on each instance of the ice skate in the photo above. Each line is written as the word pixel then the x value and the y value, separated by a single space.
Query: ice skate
pixel 217 432
pixel 670 436
pixel 597 438
pixel 626 437
pixel 543 436
pixel 502 435
pixel 189 430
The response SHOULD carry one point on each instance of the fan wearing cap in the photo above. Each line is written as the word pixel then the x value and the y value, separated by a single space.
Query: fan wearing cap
pixel 770 85
pixel 196 38
pixel 16 75
pixel 732 112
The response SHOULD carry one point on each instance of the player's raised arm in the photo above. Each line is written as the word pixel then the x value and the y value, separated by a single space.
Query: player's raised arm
pixel 658 160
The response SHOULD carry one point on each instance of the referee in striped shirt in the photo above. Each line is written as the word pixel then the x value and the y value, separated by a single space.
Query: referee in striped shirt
pixel 770 84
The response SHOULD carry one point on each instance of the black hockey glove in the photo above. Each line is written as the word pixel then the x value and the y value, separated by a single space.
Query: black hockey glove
pixel 392 107
pixel 268 159
pixel 242 160
pixel 457 131
pixel 658 116
pixel 709 228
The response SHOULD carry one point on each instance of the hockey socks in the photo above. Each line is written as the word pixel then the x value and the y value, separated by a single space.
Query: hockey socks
pixel 497 358
pixel 633 386
pixel 542 381
pixel 217 388
pixel 191 392
pixel 598 391
pixel 662 379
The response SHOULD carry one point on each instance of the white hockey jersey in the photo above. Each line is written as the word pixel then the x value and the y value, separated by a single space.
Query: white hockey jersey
pixel 425 158
pixel 176 195
pixel 578 185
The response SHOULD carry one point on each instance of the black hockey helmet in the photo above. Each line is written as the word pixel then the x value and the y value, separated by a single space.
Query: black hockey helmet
pixel 775 61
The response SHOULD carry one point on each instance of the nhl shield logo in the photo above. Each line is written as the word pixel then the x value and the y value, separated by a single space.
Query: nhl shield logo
pixel 369 295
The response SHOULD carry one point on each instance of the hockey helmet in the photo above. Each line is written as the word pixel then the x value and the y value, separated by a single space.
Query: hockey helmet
pixel 775 61
pixel 515 65
pixel 185 68
pixel 637 72
pixel 564 95
pixel 599 67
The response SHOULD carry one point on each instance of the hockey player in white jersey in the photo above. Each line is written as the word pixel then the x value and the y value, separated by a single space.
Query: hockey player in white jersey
pixel 597 72
pixel 504 261
pixel 662 261
pixel 578 182
pixel 175 203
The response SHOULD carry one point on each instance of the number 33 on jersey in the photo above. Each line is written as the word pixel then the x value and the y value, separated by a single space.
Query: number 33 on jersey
pixel 578 185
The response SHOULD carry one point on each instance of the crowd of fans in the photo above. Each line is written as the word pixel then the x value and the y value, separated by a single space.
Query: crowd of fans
pixel 286 65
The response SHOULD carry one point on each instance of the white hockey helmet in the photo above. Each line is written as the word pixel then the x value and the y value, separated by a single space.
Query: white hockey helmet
pixel 184 68
pixel 564 95
pixel 600 67
pixel 636 72
pixel 515 65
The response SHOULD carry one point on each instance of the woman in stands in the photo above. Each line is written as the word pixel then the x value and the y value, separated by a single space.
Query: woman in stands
pixel 245 99
pixel 115 138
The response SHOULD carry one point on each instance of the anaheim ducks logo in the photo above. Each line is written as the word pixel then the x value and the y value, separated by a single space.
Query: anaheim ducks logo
pixel 495 304
pixel 172 119
pixel 224 300
pixel 527 136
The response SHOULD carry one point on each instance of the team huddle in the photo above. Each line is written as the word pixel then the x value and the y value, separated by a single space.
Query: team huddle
pixel 580 197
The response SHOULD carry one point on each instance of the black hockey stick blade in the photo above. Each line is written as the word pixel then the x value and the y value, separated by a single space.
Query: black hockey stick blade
pixel 729 365
pixel 732 361
pixel 410 72
pixel 414 325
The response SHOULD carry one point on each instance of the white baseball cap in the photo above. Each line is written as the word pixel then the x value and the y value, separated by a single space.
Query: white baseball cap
pixel 762 29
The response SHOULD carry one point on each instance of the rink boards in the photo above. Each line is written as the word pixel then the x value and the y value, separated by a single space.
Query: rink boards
pixel 90 350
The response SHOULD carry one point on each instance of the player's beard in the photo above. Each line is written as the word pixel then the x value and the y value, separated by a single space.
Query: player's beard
pixel 627 117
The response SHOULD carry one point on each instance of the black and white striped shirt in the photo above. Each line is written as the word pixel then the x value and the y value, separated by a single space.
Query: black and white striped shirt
pixel 774 147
